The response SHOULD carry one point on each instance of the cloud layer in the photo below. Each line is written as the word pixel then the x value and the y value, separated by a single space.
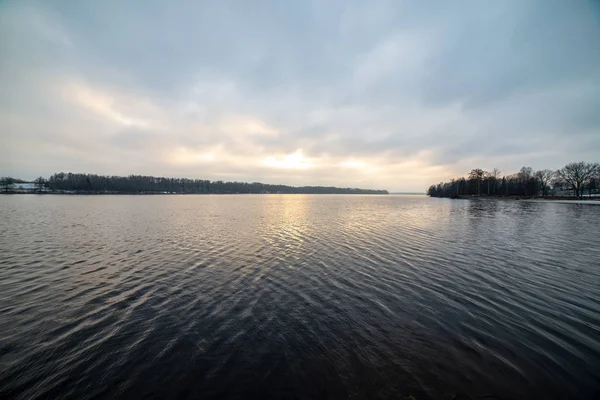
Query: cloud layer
pixel 394 95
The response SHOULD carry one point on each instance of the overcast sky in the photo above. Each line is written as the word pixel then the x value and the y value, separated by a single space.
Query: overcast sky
pixel 376 94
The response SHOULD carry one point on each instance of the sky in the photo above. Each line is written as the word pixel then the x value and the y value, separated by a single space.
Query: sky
pixel 393 94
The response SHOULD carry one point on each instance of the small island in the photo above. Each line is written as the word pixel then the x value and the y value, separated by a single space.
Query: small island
pixel 574 181
pixel 76 183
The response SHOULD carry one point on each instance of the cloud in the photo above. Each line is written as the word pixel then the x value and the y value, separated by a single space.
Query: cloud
pixel 393 95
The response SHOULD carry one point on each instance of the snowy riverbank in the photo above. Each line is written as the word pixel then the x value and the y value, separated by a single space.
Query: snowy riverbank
pixel 590 202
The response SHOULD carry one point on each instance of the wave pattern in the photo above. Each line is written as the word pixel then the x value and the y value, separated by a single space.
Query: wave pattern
pixel 297 296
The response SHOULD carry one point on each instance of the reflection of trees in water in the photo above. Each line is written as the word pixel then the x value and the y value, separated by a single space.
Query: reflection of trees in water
pixel 483 209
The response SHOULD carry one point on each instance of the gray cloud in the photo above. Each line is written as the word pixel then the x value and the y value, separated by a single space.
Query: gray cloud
pixel 390 94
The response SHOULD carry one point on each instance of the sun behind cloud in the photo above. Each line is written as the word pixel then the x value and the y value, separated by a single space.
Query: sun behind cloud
pixel 293 160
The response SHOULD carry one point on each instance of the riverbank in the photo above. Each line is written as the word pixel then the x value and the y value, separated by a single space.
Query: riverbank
pixel 569 199
pixel 590 202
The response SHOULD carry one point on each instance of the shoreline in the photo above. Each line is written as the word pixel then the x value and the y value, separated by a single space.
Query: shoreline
pixel 527 198
pixel 563 201
pixel 595 200
pixel 171 194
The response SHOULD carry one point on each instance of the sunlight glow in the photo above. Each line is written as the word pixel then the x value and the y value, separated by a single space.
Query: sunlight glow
pixel 290 161
pixel 352 164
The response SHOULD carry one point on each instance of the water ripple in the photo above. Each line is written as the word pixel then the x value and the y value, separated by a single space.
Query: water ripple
pixel 297 296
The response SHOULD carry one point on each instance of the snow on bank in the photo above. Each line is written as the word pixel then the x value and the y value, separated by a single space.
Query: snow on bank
pixel 590 202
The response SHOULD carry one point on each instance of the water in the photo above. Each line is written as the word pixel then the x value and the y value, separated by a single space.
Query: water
pixel 297 296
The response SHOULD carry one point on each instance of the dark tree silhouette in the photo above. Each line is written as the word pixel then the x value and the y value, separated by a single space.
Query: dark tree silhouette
pixel 576 175
pixel 90 183
pixel 544 177
pixel 476 175
pixel 40 183
pixel 493 176
pixel 593 185
pixel 6 182
pixel 525 175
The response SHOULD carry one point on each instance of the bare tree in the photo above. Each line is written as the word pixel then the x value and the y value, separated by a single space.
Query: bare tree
pixel 593 185
pixel 576 175
pixel 488 178
pixel 525 175
pixel 40 182
pixel 593 182
pixel 6 182
pixel 544 176
pixel 477 175
pixel 494 175
pixel 455 183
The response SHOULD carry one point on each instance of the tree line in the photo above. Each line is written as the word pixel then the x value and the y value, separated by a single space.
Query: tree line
pixel 577 177
pixel 139 184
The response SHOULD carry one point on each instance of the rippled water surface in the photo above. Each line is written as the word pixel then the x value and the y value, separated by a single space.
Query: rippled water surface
pixel 297 296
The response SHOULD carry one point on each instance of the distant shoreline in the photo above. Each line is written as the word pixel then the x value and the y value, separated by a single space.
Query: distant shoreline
pixel 171 194
pixel 92 184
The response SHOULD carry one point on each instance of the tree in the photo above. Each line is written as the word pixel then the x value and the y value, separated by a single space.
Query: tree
pixel 7 182
pixel 40 183
pixel 505 185
pixel 476 175
pixel 576 175
pixel 89 183
pixel 488 178
pixel 525 175
pixel 593 182
pixel 544 177
pixel 494 175
pixel 593 185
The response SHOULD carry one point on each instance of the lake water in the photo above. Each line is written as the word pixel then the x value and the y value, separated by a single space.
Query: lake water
pixel 297 296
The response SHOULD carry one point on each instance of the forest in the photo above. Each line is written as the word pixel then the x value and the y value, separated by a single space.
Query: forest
pixel 578 179
pixel 138 184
